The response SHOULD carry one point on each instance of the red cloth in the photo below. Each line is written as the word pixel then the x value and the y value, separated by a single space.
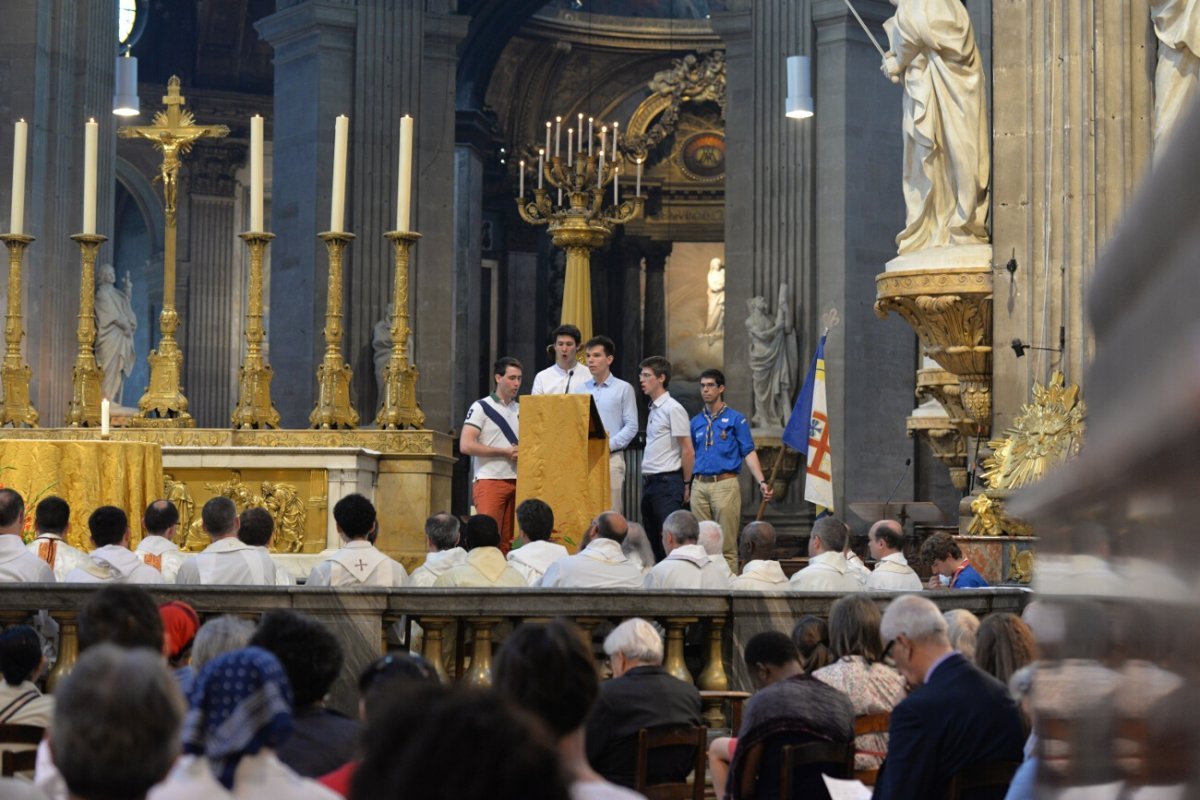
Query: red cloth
pixel 180 623
pixel 340 779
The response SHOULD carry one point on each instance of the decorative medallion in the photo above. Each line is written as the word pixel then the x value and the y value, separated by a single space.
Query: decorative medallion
pixel 702 156
pixel 1047 432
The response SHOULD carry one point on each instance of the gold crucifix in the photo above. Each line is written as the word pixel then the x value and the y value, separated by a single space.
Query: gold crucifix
pixel 174 131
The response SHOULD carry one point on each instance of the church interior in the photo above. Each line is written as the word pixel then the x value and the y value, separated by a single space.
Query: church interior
pixel 271 250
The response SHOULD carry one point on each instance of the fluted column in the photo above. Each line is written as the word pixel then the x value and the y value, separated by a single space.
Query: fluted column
pixel 654 316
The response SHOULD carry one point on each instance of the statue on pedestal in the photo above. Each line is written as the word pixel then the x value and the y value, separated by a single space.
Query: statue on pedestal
pixel 381 343
pixel 115 324
pixel 1177 26
pixel 714 326
pixel 946 134
pixel 773 359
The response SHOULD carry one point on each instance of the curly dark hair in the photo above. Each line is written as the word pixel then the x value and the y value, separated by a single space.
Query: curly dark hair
pixel 311 655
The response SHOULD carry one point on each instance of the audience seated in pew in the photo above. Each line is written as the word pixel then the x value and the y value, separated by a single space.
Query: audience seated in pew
pixel 180 624
pixel 21 663
pixel 811 637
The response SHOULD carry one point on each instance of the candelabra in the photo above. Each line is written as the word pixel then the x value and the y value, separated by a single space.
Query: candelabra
pixel 254 407
pixel 86 377
pixel 16 409
pixel 333 409
pixel 400 409
pixel 584 222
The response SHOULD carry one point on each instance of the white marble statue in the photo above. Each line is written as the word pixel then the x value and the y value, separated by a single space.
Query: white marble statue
pixel 1177 26
pixel 381 341
pixel 946 134
pixel 714 326
pixel 772 360
pixel 115 324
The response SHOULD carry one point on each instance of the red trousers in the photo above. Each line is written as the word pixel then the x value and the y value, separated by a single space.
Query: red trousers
pixel 497 499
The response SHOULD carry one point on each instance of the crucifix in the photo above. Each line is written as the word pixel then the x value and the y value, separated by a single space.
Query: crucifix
pixel 173 132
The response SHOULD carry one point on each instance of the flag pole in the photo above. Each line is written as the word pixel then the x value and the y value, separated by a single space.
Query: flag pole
pixel 866 30
pixel 762 506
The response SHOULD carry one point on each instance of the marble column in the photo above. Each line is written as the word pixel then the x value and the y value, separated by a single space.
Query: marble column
pixel 1072 112
pixel 56 71
pixel 214 308
pixel 629 345
pixel 469 338
pixel 654 327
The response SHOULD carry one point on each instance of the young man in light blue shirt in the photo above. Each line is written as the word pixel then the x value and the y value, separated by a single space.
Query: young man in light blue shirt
pixel 618 410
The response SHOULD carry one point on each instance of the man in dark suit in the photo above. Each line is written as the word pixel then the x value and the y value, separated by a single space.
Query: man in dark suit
pixel 640 695
pixel 956 716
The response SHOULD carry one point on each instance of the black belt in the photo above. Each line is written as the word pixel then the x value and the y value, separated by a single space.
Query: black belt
pixel 673 472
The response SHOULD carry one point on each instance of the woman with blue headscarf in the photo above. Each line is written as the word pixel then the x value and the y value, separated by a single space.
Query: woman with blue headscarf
pixel 241 710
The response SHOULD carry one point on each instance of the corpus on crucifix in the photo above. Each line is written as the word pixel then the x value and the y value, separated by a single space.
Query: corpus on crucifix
pixel 173 132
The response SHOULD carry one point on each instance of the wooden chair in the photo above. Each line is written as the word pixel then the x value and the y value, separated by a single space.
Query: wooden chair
pixel 989 775
pixel 21 760
pixel 678 736
pixel 796 756
pixel 870 723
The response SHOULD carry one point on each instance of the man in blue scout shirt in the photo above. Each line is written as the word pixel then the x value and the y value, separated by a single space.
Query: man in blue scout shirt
pixel 721 438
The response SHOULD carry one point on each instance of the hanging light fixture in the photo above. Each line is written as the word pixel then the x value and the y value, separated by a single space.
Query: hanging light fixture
pixel 799 87
pixel 125 99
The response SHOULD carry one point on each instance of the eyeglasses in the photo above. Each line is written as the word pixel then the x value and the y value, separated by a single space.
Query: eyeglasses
pixel 887 650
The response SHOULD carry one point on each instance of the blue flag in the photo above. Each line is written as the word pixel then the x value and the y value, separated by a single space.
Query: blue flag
pixel 807 433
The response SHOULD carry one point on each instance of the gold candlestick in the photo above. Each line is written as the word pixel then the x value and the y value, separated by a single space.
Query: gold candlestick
pixel 254 407
pixel 16 409
pixel 333 409
pixel 400 408
pixel 86 377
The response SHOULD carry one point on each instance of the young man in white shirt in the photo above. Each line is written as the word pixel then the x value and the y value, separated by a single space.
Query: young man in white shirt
pixel 566 374
pixel 892 572
pixel 617 405
pixel 157 548
pixel 112 561
pixel 50 520
pixel 359 563
pixel 534 557
pixel 669 455
pixel 489 436
pixel 228 561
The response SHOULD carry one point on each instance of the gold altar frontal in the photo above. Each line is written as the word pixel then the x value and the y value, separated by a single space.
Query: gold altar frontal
pixel 296 475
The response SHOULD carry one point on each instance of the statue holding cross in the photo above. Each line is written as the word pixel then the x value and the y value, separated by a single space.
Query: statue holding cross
pixel 173 131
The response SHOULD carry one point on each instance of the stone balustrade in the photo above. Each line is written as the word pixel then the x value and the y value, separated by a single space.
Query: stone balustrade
pixel 705 631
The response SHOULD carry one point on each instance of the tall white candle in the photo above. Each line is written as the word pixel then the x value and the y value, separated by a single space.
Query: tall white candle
pixel 20 143
pixel 616 180
pixel 579 133
pixel 557 136
pixel 521 180
pixel 614 146
pixel 637 192
pixel 541 163
pixel 105 416
pixel 91 137
pixel 547 148
pixel 404 182
pixel 570 146
pixel 256 173
pixel 337 210
pixel 603 139
pixel 600 172
pixel 591 135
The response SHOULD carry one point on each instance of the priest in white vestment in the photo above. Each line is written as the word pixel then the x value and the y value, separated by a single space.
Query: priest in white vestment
pixel 756 550
pixel 228 561
pixel 601 564
pixel 442 537
pixel 712 539
pixel 157 548
pixel 256 528
pixel 485 567
pixel 535 520
pixel 687 565
pixel 112 561
pixel 50 521
pixel 358 563
pixel 827 570
pixel 892 572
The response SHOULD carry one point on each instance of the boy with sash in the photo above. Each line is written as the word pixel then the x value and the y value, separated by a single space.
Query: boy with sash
pixel 359 563
pixel 489 436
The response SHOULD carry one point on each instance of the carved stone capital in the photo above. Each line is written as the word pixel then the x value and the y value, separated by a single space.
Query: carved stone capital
pixel 946 442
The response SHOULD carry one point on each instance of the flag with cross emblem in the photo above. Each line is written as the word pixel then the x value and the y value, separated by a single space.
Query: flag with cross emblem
pixel 807 433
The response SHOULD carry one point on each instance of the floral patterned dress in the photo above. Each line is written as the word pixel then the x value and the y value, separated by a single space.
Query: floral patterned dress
pixel 872 688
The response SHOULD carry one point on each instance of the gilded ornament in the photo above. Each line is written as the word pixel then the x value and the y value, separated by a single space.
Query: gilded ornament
pixel 399 408
pixel 281 500
pixel 1020 564
pixel 177 492
pixel 1048 432
pixel 86 377
pixel 254 407
pixel 16 409
pixel 691 79
pixel 332 410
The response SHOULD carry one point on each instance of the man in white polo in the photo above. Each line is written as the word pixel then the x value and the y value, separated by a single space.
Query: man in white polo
pixel 489 436
pixel 892 572
pixel 669 455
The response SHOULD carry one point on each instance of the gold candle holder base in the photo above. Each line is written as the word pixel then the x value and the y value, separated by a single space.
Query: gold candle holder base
pixel 86 378
pixel 163 405
pixel 16 410
pixel 400 409
pixel 332 410
pixel 254 407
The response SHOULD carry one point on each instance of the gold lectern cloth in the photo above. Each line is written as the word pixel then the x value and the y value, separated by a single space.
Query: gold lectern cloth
pixel 563 461
pixel 87 475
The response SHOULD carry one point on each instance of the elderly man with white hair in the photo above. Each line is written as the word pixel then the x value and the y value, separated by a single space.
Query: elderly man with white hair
pixel 687 565
pixel 957 716
pixel 640 695
pixel 712 539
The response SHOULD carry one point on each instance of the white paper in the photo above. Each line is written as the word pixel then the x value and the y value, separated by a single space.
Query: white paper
pixel 846 790
pixel 1099 791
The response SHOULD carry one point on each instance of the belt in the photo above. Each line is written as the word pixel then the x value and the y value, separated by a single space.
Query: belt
pixel 658 475
pixel 723 476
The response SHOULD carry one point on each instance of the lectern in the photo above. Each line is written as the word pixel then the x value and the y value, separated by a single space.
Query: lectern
pixel 562 459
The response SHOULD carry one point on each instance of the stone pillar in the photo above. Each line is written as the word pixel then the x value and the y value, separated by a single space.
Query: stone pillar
pixel 56 71
pixel 654 328
pixel 629 345
pixel 468 280
pixel 213 316
pixel 1072 112
pixel 523 337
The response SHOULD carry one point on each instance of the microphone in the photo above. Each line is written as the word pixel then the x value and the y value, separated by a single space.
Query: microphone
pixel 567 388
pixel 903 475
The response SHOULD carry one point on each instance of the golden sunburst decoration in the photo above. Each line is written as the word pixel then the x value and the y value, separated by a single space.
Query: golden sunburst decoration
pixel 1047 432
